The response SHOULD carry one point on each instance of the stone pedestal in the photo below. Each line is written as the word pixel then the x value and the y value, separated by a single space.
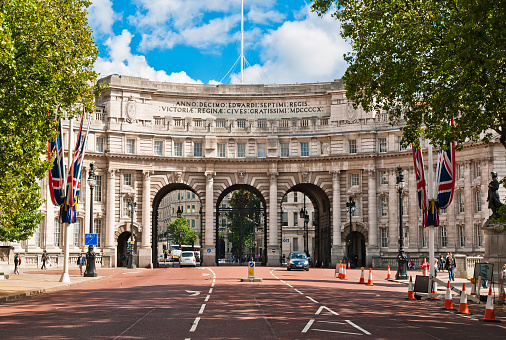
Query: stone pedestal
pixel 494 240
pixel 273 258
pixel 144 257
pixel 337 254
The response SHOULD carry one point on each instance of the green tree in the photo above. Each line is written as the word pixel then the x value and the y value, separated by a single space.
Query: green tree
pixel 427 61
pixel 180 232
pixel 46 62
pixel 243 217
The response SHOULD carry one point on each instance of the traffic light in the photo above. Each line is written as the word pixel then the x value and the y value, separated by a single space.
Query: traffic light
pixel 180 245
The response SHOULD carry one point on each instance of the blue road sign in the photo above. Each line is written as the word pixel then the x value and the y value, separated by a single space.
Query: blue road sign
pixel 90 239
pixel 208 250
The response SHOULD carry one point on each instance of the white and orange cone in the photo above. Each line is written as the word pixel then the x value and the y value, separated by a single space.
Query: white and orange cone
pixel 340 271
pixel 369 281
pixel 473 288
pixel 463 308
pixel 448 298
pixel 349 266
pixel 489 309
pixel 362 280
pixel 411 289
pixel 389 274
pixel 434 291
pixel 344 273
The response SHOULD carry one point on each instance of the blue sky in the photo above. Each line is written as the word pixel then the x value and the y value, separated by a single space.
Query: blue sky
pixel 198 41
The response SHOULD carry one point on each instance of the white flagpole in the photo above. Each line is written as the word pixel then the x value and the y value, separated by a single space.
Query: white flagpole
pixel 242 42
pixel 431 196
pixel 65 278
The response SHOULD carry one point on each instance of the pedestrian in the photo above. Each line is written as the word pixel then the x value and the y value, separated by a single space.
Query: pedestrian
pixel 504 273
pixel 17 263
pixel 441 263
pixel 424 266
pixel 81 261
pixel 44 260
pixel 450 264
pixel 436 264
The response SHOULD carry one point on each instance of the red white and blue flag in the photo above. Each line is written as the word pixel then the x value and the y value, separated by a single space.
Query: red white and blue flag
pixel 421 184
pixel 56 173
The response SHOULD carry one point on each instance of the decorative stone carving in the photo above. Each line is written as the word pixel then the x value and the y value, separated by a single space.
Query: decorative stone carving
pixel 131 110
pixel 494 202
pixel 305 176
pixel 178 176
pixel 241 177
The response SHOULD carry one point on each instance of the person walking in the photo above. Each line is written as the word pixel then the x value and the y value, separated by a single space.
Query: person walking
pixel 44 258
pixel 450 264
pixel 441 263
pixel 436 264
pixel 425 267
pixel 81 261
pixel 17 263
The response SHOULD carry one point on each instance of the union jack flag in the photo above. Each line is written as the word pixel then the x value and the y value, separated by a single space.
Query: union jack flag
pixel 421 184
pixel 56 173
pixel 445 177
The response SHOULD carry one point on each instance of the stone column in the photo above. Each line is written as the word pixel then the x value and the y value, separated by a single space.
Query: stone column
pixel 109 250
pixel 337 251
pixel 373 247
pixel 393 213
pixel 144 251
pixel 468 207
pixel 273 259
pixel 209 258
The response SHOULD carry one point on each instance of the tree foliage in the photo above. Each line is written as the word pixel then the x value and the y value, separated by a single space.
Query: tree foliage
pixel 427 61
pixel 243 217
pixel 180 232
pixel 46 62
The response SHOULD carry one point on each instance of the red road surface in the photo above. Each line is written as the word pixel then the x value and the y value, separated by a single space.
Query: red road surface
pixel 211 303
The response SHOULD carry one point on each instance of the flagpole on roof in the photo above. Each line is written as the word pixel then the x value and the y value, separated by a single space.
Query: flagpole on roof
pixel 65 278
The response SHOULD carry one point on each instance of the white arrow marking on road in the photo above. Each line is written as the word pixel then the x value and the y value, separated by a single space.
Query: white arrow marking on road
pixel 193 292
pixel 327 308
pixel 205 274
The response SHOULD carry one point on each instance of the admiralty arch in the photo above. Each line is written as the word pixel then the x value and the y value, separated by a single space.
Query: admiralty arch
pixel 148 139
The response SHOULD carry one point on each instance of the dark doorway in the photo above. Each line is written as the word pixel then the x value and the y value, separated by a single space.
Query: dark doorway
pixel 355 243
pixel 122 249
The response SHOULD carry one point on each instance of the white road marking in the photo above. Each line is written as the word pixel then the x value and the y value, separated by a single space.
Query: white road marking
pixel 193 292
pixel 327 330
pixel 135 323
pixel 207 298
pixel 325 307
pixel 212 284
pixel 202 308
pixel 210 290
pixel 289 285
pixel 308 325
pixel 298 291
pixel 357 327
pixel 310 298
pixel 195 324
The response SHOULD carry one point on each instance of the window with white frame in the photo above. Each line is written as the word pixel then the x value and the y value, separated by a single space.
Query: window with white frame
pixel 384 237
pixel 241 123
pixel 477 201
pixel 99 144
pixel 382 145
pixel 295 219
pixel 36 237
pixel 476 169
pixel 352 146
pixel 158 147
pixel 178 149
pixel 223 222
pixel 462 235
pixel 479 236
pixel 158 121
pixel 97 189
pixel 284 123
pixel 197 149
pixel 127 179
pixel 460 170
pixel 295 197
pixel 284 219
pixel 130 146
pixel 354 180
pixel 77 232
pixel 97 229
pixel 424 236
pixel 178 122
pixel 285 149
pixel 383 178
pixel 444 237
pixel 198 122
pixel 460 201
pixel 324 122
pixel 221 150
pixel 57 232
pixel 126 212
pixel 304 149
pixel 295 244
pixel 241 150
pixel 384 206
pixel 261 150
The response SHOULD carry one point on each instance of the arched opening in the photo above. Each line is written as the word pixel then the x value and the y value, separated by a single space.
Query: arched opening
pixel 241 226
pixel 171 202
pixel 305 223
pixel 122 249
pixel 355 249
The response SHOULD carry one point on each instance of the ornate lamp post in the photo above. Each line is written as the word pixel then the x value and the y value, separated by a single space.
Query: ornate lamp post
pixel 304 215
pixel 402 268
pixel 90 255
pixel 132 206
pixel 350 208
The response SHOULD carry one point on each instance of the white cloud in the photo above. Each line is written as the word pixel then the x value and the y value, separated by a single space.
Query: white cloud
pixel 123 62
pixel 262 16
pixel 101 16
pixel 300 51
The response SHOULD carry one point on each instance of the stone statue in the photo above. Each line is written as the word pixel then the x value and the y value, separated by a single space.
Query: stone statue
pixel 494 203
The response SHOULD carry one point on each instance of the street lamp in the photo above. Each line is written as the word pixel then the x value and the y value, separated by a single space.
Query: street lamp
pixel 402 268
pixel 132 206
pixel 350 208
pixel 303 214
pixel 179 212
pixel 90 255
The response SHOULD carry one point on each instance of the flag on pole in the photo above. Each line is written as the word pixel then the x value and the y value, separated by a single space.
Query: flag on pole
pixel 421 184
pixel 56 173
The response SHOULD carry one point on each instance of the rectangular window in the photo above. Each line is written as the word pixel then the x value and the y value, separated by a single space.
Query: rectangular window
pixel 284 123
pixel 479 236
pixel 382 145
pixel 460 201
pixel 304 149
pixel 127 178
pixel 384 206
pixel 126 212
pixel 304 123
pixel 324 122
pixel 36 237
pixel 354 180
pixel 188 209
pixel 241 150
pixel 405 205
pixel 193 208
pixel 99 144
pixel 295 244
pixel 460 171
pixel 198 123
pixel 261 150
pixel 262 123
pixel 178 149
pixel 77 232
pixel 97 229
pixel 383 178
pixel 477 200
pixel 158 121
pixel 221 123
pixel 285 150
pixel 356 213
pixel 158 148
pixel 57 232
pixel 462 236
pixel 130 146
pixel 223 222
pixel 221 150
pixel 241 124
pixel 193 224
pixel 197 149
pixel 352 145
pixel 477 169
pixel 384 237
pixel 188 194
pixel 295 219
pixel 295 197
pixel 444 237
pixel 424 237
pixel 97 190
pixel 284 219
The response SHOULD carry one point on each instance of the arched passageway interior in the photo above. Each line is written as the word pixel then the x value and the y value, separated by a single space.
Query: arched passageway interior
pixel 122 249
pixel 355 249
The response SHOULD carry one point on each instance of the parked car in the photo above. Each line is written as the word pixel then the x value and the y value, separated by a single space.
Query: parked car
pixel 297 260
pixel 187 259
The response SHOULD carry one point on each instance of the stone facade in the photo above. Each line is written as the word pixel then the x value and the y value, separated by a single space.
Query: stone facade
pixel 148 139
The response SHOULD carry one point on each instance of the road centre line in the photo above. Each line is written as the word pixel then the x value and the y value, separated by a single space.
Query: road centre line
pixel 298 291
pixel 210 290
pixel 195 324
pixel 202 308
pixel 207 298
pixel 310 298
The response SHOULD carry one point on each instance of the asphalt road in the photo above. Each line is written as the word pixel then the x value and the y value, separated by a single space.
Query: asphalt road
pixel 211 303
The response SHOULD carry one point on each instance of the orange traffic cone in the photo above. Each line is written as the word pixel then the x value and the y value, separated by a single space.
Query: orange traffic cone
pixel 349 266
pixel 489 310
pixel 341 271
pixel 389 274
pixel 473 288
pixel 411 290
pixel 463 308
pixel 362 280
pixel 344 273
pixel 369 281
pixel 434 291
pixel 448 298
